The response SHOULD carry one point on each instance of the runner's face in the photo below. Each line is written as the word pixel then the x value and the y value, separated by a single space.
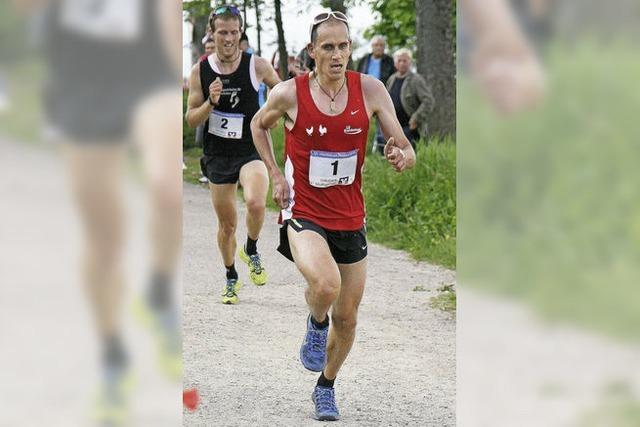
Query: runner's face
pixel 227 37
pixel 331 50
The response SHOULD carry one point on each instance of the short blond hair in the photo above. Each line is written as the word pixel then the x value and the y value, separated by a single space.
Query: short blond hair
pixel 403 51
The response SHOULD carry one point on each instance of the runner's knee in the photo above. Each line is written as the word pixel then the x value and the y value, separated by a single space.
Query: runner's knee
pixel 326 288
pixel 255 206
pixel 227 228
pixel 344 322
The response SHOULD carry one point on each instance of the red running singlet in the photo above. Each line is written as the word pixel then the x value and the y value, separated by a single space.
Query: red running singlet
pixel 324 156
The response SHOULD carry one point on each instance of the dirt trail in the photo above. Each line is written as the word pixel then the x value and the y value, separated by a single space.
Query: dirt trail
pixel 244 358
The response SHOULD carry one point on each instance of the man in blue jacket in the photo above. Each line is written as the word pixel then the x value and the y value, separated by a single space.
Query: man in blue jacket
pixel 379 65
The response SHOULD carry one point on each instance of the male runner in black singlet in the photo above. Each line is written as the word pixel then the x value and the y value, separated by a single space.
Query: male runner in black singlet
pixel 223 93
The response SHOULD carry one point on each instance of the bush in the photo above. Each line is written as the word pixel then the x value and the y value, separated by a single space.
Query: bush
pixel 415 210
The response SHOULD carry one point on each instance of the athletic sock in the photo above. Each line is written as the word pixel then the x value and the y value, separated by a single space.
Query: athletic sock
pixel 251 247
pixel 231 272
pixel 159 291
pixel 114 356
pixel 320 325
pixel 324 382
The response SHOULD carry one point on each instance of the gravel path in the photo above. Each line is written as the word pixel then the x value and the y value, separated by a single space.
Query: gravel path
pixel 244 359
pixel 49 354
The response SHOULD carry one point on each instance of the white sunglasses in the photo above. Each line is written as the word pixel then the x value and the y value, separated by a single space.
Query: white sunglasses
pixel 320 18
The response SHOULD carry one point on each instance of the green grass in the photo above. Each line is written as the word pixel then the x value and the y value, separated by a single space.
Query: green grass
pixel 23 120
pixel 446 299
pixel 612 413
pixel 191 158
pixel 413 211
pixel 548 200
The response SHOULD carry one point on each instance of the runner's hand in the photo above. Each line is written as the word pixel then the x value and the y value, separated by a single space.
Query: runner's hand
pixel 280 191
pixel 215 90
pixel 395 155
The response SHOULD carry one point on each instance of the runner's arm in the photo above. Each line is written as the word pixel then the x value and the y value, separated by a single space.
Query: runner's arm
pixel 266 73
pixel 398 149
pixel 198 108
pixel 266 118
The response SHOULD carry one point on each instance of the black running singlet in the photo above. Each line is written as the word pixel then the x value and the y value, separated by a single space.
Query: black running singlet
pixel 227 131
pixel 102 60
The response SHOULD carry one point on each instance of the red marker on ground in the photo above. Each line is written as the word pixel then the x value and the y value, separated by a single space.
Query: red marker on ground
pixel 190 399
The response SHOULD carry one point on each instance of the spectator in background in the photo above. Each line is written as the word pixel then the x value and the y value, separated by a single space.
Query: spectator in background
pixel 379 65
pixel 209 47
pixel 292 66
pixel 411 97
pixel 305 62
pixel 244 44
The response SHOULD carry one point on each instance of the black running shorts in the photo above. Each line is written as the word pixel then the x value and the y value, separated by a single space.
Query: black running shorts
pixel 347 247
pixel 224 169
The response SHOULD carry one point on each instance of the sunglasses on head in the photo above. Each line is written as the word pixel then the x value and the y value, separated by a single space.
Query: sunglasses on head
pixel 222 9
pixel 320 18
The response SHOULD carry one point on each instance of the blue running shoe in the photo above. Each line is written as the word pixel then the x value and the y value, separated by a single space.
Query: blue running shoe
pixel 325 400
pixel 313 353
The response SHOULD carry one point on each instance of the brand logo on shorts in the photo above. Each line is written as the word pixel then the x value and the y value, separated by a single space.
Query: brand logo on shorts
pixel 352 131
pixel 322 130
pixel 309 131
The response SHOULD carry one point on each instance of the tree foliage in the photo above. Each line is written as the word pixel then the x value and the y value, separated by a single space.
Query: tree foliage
pixel 396 20
pixel 197 8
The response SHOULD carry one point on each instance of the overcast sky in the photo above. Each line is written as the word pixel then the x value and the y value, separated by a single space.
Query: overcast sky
pixel 296 17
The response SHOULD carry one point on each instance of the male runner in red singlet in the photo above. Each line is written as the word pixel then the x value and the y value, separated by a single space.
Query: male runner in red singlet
pixel 327 115
pixel 223 92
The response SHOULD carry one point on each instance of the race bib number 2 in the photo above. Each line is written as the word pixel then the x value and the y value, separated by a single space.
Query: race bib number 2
pixel 328 168
pixel 226 125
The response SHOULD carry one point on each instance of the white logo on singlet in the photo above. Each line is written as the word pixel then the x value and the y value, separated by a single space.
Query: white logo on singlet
pixel 322 130
pixel 309 131
pixel 234 99
pixel 352 131
pixel 353 112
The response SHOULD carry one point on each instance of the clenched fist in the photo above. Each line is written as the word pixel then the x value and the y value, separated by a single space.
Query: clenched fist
pixel 395 155
pixel 215 90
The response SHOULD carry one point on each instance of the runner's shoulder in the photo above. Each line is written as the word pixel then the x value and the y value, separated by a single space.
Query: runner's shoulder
pixel 195 69
pixel 283 95
pixel 261 64
pixel 371 84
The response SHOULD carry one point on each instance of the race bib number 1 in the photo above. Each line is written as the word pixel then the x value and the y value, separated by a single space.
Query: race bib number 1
pixel 226 125
pixel 327 168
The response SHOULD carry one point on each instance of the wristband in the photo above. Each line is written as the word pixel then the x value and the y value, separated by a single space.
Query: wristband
pixel 213 104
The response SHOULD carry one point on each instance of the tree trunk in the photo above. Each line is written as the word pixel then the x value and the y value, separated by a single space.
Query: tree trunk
pixel 436 61
pixel 244 16
pixel 198 32
pixel 258 26
pixel 282 46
